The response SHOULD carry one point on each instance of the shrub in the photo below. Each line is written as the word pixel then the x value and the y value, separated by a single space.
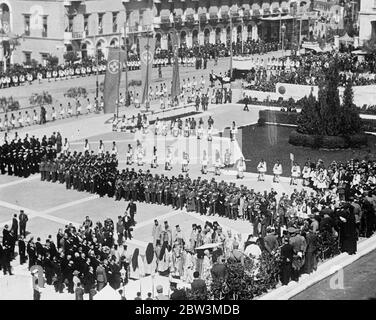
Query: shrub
pixel 327 142
pixel 261 122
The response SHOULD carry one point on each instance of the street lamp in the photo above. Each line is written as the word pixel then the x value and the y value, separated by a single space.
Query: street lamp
pixel 283 30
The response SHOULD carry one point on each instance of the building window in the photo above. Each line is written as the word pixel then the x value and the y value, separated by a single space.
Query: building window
pixel 44 58
pixel 86 24
pixel 115 22
pixel 27 58
pixel 45 27
pixel 100 23
pixel 27 25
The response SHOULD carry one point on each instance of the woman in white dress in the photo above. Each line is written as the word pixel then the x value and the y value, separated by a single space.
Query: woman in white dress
pixel 20 120
pixel 86 146
pixel 186 129
pixel 204 167
pixel 306 175
pixel 53 114
pixel 185 162
pixel 154 160
pixel 233 131
pixel 277 171
pixel 322 183
pixel 27 119
pixel 140 156
pixel 129 157
pixel 35 117
pixel 210 133
pixel 168 163
pixel 114 150
pixel 295 174
pixel 217 164
pixel 175 130
pixel 70 110
pixel 89 106
pixel 66 146
pixel 241 169
pixel 200 132
pixel 62 111
pixel 101 147
pixel 78 108
pixel 261 169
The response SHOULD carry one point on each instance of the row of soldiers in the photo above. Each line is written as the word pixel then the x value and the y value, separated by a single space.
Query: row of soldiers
pixel 94 173
pixel 22 157
pixel 99 174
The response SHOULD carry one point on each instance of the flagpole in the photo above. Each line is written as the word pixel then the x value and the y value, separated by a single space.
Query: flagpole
pixel 120 71
pixel 230 45
pixel 126 61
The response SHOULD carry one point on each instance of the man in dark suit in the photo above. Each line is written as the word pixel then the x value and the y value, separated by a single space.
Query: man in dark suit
pixel 198 285
pixel 23 220
pixel 218 270
pixel 132 209
pixel 15 225
pixel 22 249
pixel 39 248
pixel 287 253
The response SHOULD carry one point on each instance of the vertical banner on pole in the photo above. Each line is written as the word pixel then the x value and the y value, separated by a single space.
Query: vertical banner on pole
pixel 175 87
pixel 147 46
pixel 112 79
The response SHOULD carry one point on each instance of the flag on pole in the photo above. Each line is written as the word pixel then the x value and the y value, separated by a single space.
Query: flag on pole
pixel 112 79
pixel 147 46
pixel 175 87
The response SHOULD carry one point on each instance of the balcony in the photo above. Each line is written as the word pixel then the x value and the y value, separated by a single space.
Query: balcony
pixel 70 36
pixel 79 35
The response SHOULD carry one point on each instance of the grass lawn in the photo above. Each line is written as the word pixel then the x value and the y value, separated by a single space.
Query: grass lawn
pixel 270 142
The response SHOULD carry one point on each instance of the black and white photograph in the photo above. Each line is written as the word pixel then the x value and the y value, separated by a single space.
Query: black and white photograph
pixel 206 151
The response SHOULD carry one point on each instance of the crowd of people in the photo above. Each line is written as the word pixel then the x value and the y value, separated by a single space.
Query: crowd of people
pixel 306 70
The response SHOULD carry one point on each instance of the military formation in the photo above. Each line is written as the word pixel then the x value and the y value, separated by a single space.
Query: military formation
pixel 99 174
pixel 21 157
pixel 94 173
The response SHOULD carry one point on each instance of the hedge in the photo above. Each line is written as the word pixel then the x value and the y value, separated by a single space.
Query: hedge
pixel 279 116
pixel 327 142
pixel 292 117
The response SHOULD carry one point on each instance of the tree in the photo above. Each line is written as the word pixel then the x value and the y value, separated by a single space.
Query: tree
pixel 40 99
pixel 351 122
pixel 52 61
pixel 75 93
pixel 71 57
pixel 327 116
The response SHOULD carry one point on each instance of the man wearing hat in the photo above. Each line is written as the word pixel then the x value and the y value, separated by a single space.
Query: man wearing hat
pixel 160 295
